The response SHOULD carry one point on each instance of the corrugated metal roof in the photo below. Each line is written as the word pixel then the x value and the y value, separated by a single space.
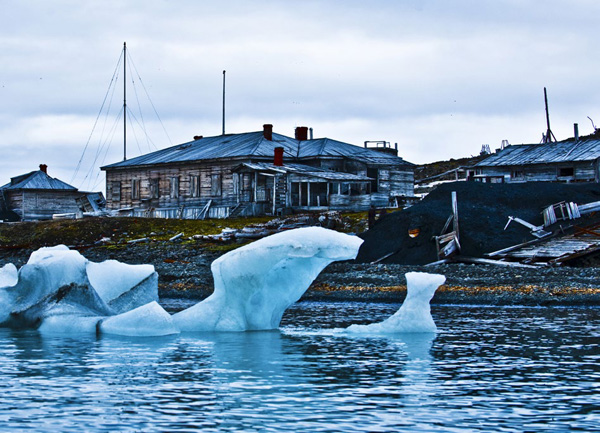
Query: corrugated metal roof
pixel 254 145
pixel 545 153
pixel 37 180
pixel 333 148
pixel 305 170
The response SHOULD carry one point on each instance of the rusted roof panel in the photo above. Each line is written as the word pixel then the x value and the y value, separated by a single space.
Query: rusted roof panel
pixel 544 153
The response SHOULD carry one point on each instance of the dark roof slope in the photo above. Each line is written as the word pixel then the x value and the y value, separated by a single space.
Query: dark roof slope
pixel 254 145
pixel 37 180
pixel 545 153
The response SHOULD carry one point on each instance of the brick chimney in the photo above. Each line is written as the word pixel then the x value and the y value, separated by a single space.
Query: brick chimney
pixel 278 157
pixel 301 133
pixel 44 168
pixel 268 131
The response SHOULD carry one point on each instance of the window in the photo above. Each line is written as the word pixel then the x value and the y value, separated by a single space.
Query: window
pixel 174 190
pixel 215 184
pixel 116 191
pixel 566 172
pixel 373 173
pixel 154 188
pixel 236 183
pixel 194 185
pixel 135 189
pixel 517 175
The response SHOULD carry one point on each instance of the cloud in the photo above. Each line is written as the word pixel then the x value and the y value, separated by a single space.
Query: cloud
pixel 440 78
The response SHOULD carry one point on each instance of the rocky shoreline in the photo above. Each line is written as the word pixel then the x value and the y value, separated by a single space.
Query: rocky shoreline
pixel 184 272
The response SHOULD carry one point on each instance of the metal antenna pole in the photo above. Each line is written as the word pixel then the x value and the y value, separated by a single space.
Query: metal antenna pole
pixel 223 102
pixel 124 101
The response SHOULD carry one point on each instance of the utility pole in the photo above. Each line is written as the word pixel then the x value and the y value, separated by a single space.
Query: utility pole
pixel 124 101
pixel 549 135
pixel 223 102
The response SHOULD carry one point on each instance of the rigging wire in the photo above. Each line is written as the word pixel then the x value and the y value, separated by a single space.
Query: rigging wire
pixel 108 140
pixel 114 76
pixel 108 132
pixel 149 99
pixel 141 113
pixel 102 135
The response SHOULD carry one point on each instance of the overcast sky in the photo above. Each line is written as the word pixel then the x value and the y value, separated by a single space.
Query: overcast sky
pixel 438 77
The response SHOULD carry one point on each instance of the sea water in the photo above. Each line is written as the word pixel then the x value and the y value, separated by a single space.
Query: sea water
pixel 486 369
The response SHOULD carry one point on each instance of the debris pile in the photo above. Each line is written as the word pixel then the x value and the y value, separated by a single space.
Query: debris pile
pixel 483 209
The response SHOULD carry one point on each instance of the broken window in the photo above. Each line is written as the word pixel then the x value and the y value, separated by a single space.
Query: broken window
pixel 215 184
pixel 566 171
pixel 154 188
pixel 517 175
pixel 135 189
pixel 373 173
pixel 174 187
pixel 194 185
pixel 116 191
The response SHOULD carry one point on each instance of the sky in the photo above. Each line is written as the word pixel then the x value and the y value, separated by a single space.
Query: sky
pixel 438 77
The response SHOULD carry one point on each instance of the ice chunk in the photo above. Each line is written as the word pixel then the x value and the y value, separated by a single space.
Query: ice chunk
pixel 9 275
pixel 70 300
pixel 55 282
pixel 149 320
pixel 47 270
pixel 415 313
pixel 70 324
pixel 123 287
pixel 256 283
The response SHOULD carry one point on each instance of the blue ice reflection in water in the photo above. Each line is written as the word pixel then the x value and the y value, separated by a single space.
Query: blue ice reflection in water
pixel 513 369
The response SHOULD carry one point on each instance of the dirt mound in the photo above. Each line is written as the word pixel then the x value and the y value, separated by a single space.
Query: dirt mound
pixel 483 211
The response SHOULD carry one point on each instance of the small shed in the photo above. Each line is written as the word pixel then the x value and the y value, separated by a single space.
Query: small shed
pixel 37 196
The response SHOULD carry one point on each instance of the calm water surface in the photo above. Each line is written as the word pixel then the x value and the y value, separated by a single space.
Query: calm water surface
pixel 487 369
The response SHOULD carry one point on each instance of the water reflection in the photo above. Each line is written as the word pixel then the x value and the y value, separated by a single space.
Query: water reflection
pixel 487 369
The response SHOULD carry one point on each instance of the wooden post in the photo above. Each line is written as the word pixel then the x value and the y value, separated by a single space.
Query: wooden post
pixel 255 186
pixel 455 213
pixel 308 193
pixel 274 192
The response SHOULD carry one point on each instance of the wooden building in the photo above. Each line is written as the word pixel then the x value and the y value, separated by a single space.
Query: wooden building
pixel 257 173
pixel 573 160
pixel 37 196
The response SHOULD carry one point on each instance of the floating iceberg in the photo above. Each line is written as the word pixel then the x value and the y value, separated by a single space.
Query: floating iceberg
pixel 60 290
pixel 256 283
pixel 415 313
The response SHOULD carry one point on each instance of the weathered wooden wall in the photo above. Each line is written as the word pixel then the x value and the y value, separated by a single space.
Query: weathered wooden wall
pixel 164 174
pixel 397 181
pixel 42 204
pixel 582 172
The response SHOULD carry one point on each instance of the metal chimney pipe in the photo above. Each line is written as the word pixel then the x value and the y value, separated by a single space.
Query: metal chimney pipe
pixel 576 131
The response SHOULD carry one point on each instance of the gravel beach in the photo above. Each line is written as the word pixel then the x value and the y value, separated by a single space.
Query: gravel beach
pixel 184 272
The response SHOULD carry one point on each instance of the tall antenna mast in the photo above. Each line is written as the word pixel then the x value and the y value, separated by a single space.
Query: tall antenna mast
pixel 124 101
pixel 549 135
pixel 223 102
